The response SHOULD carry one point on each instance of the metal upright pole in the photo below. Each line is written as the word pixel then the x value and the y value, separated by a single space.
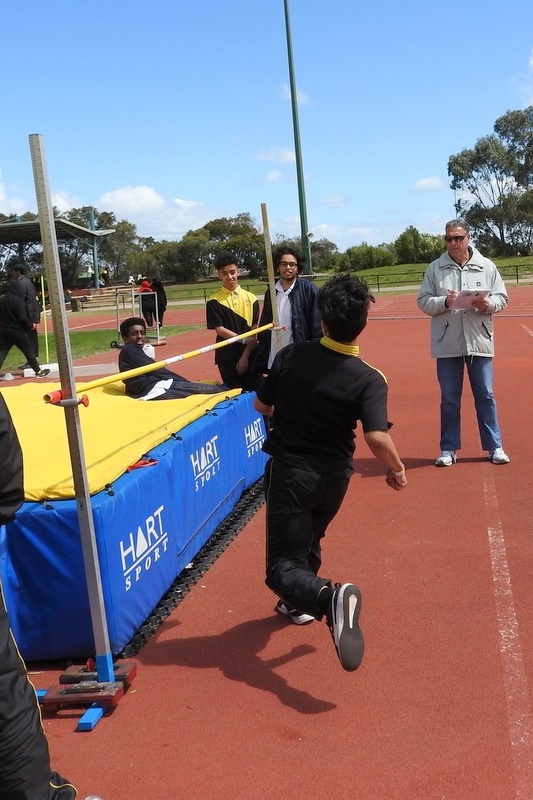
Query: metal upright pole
pixel 306 245
pixel 104 660
pixel 271 277
pixel 96 269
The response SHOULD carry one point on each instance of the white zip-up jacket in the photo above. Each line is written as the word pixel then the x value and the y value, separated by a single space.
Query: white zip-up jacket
pixel 461 333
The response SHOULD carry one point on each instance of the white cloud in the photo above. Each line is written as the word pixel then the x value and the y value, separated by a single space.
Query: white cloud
pixel 10 204
pixel 302 98
pixel 64 201
pixel 428 185
pixel 154 215
pixel 186 206
pixel 344 235
pixel 280 155
pixel 186 215
pixel 336 201
pixel 132 200
pixel 273 176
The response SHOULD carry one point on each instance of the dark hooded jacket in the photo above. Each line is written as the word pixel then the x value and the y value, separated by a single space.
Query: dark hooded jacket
pixel 11 485
pixel 14 312
pixel 25 289
pixel 305 319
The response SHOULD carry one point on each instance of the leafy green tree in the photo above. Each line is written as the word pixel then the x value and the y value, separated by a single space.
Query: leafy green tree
pixel 323 252
pixel 183 261
pixel 431 247
pixel 496 176
pixel 240 236
pixel 364 257
pixel 413 247
pixel 27 251
pixel 120 251
pixel 515 129
pixel 189 259
pixel 407 246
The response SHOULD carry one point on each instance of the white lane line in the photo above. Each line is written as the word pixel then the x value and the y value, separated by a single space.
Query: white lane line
pixel 527 330
pixel 514 674
pixel 94 324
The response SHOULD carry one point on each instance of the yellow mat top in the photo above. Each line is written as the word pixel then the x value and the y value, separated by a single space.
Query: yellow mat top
pixel 116 431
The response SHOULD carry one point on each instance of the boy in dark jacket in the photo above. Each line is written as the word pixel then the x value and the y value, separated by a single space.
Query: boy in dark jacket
pixel 296 300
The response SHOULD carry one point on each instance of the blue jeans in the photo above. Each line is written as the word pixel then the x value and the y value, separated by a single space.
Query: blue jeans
pixel 450 372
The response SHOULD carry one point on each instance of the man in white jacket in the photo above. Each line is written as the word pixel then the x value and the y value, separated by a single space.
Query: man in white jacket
pixel 461 291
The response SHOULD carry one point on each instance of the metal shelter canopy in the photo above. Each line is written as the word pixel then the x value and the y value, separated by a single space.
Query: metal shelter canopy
pixel 30 232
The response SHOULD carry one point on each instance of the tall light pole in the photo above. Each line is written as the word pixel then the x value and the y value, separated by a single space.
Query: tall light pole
pixel 306 244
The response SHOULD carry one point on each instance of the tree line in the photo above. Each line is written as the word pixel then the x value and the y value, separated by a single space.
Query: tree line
pixel 492 182
pixel 124 253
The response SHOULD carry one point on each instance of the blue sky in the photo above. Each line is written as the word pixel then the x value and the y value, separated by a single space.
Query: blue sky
pixel 173 113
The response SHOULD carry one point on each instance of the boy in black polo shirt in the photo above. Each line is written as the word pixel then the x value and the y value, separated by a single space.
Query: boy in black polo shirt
pixel 317 392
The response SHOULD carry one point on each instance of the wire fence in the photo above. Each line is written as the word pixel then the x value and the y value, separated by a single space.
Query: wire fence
pixel 376 282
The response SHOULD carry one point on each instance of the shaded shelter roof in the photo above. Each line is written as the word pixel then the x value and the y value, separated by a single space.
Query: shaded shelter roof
pixel 30 232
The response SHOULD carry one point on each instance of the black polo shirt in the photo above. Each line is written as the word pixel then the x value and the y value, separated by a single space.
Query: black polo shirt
pixel 319 395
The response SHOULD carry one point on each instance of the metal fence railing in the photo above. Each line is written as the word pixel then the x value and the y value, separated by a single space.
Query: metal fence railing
pixel 195 293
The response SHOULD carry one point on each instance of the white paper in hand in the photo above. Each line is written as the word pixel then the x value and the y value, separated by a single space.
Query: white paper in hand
pixel 464 299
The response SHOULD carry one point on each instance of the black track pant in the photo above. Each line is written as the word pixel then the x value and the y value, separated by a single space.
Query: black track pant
pixel 230 376
pixel 300 504
pixel 34 339
pixel 24 759
pixel 14 337
pixel 185 388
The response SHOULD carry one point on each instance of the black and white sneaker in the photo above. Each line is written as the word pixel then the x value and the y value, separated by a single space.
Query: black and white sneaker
pixel 343 622
pixel 42 373
pixel 298 617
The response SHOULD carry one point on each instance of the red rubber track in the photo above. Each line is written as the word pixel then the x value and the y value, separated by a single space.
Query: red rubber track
pixel 232 701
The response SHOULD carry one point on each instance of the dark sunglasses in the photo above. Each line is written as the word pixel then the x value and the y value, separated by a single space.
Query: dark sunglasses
pixel 455 238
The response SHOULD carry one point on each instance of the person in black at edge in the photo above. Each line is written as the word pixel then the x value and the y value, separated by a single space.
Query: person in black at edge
pixel 317 392
pixel 161 295
pixel 15 330
pixel 25 772
pixel 159 384
pixel 24 288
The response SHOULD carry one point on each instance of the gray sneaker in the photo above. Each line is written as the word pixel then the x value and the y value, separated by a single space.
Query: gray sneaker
pixel 342 619
pixel 446 458
pixel 499 456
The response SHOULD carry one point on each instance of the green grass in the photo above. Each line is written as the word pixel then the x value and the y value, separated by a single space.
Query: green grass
pixel 82 343
pixel 512 270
